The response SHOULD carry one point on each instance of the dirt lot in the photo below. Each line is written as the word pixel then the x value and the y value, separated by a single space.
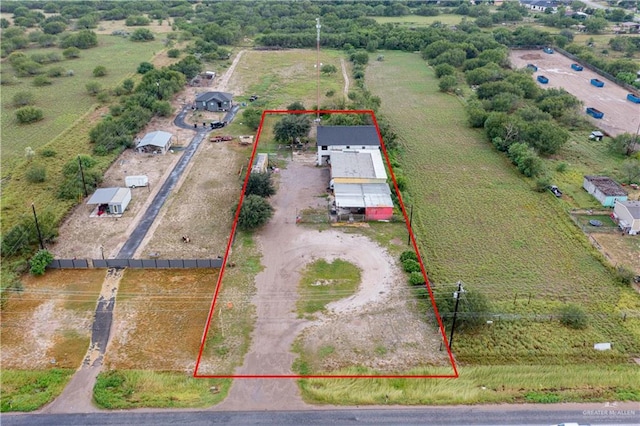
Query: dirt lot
pixel 49 323
pixel 620 115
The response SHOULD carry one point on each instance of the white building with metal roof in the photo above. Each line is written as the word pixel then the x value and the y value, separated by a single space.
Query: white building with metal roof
pixel 112 201
pixel 156 142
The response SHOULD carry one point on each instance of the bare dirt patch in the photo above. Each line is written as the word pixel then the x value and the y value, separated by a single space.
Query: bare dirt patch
pixel 49 323
pixel 158 319
pixel 620 250
pixel 620 115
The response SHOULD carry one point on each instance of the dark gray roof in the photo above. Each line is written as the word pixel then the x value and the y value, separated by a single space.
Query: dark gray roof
pixel 348 135
pixel 607 186
pixel 214 96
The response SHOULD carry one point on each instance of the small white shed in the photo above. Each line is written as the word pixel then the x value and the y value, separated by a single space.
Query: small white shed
pixel 111 200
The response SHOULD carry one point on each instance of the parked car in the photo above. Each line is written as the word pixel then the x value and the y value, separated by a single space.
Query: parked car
pixel 217 124
pixel 554 189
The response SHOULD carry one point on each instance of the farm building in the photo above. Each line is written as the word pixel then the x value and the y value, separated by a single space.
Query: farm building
pixel 345 138
pixel 540 5
pixel 214 101
pixel 627 213
pixel 373 198
pixel 357 167
pixel 359 184
pixel 260 163
pixel 157 142
pixel 110 200
pixel 604 189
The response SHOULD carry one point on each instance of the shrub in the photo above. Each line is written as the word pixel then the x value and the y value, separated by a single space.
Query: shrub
pixel 624 275
pixel 102 97
pixel 260 184
pixel 40 261
pixel 447 83
pixel 55 72
pixel 142 34
pixel 410 266
pixel 71 53
pixel 29 114
pixel 100 71
pixel 41 80
pixel 444 69
pixel 473 307
pixel 173 53
pixel 255 212
pixel 573 316
pixel 145 67
pixel 330 93
pixel 416 278
pixel 93 88
pixel 48 153
pixel 409 254
pixel 23 98
pixel 36 174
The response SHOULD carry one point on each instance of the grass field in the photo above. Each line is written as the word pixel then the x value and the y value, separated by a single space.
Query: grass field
pixel 64 130
pixel 421 21
pixel 29 390
pixel 323 282
pixel 477 220
pixel 66 100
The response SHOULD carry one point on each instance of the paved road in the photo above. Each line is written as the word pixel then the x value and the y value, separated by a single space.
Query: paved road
pixel 129 248
pixel 593 414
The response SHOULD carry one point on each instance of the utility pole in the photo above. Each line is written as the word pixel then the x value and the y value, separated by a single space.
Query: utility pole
pixel 410 222
pixel 456 295
pixel 84 185
pixel 318 67
pixel 33 207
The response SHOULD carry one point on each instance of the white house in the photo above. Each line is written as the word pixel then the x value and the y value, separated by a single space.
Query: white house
pixel 156 142
pixel 112 201
pixel 540 5
pixel 345 138
pixel 627 213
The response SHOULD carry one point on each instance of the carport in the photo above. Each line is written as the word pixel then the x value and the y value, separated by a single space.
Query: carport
pixel 111 200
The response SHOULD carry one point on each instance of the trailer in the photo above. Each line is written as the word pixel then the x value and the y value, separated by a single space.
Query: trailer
pixel 135 181
pixel 576 67
pixel 633 98
pixel 595 113
pixel 597 83
pixel 542 79
pixel 532 67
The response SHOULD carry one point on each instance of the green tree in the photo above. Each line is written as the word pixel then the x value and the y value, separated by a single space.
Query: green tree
pixel 40 261
pixel 291 127
pixel 447 83
pixel 173 53
pixel 142 34
pixel 128 85
pixel 473 308
pixel 328 69
pixel 624 144
pixel 254 213
pixel 296 106
pixel 444 69
pixel 100 71
pixel 595 25
pixel 145 67
pixel 190 66
pixel 260 184
pixel 84 39
pixel 251 118
pixel 29 114
pixel 631 170
pixel 23 98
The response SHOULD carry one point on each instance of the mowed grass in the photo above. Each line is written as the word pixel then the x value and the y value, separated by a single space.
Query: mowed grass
pixel 66 100
pixel 477 220
pixel 280 78
pixel 29 390
pixel 421 21
pixel 483 384
pixel 323 282
pixel 150 389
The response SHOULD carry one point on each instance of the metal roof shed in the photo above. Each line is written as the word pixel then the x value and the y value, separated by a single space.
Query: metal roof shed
pixel 111 200
pixel 155 141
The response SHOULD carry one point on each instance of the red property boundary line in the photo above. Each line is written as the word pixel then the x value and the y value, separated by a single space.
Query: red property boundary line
pixel 455 374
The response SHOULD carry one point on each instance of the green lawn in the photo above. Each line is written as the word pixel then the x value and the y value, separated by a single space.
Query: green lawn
pixel 29 390
pixel 323 282
pixel 478 220
pixel 66 100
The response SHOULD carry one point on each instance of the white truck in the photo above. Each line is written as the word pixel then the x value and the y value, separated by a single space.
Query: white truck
pixel 135 181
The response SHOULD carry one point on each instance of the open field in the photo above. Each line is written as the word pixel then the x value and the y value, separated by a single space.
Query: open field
pixel 421 21
pixel 620 115
pixel 158 319
pixel 66 100
pixel 48 324
pixel 480 222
